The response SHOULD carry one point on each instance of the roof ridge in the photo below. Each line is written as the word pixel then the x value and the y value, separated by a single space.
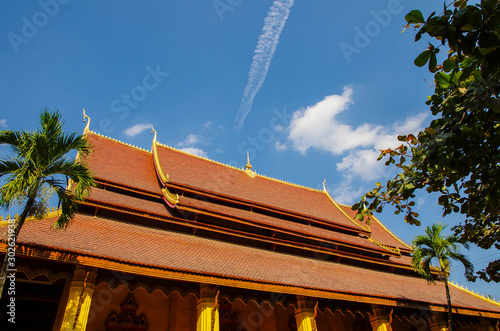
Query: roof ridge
pixel 390 232
pixel 48 214
pixel 198 156
pixel 382 225
pixel 480 296
pixel 239 169
pixel 119 141
pixel 290 183
pixel 325 191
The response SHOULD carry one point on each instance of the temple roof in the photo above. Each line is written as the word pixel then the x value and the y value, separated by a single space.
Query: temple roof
pixel 197 185
pixel 120 241
pixel 169 211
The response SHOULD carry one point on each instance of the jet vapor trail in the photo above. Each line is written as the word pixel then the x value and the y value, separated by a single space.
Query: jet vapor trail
pixel 264 52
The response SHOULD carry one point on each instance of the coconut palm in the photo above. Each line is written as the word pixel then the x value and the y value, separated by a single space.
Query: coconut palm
pixel 433 246
pixel 41 165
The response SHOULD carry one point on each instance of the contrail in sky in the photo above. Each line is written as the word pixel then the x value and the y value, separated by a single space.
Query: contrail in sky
pixel 268 40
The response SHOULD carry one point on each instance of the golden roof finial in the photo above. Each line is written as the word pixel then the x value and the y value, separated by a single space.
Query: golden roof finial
pixel 248 167
pixel 85 117
pixel 324 185
pixel 153 131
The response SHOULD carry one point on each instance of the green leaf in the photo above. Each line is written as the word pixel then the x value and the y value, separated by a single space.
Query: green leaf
pixel 488 50
pixel 422 59
pixel 414 17
pixel 432 62
pixel 467 62
pixel 449 65
pixel 409 186
pixel 441 138
pixel 466 73
pixel 442 80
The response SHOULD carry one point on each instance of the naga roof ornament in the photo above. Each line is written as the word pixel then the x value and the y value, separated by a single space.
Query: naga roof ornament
pixel 366 228
pixel 86 118
pixel 170 198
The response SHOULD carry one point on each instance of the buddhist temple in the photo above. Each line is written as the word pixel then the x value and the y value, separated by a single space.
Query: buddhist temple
pixel 172 241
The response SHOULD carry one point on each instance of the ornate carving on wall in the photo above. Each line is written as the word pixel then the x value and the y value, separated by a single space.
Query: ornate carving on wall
pixel 132 287
pixel 52 277
pixel 127 319
pixel 229 321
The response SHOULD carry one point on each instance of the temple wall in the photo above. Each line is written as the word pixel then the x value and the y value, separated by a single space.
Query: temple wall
pixel 282 317
pixel 328 321
pixel 263 317
pixel 175 313
pixel 172 313
pixel 253 317
pixel 104 301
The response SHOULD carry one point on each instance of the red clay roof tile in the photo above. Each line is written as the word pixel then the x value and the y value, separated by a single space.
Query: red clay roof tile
pixel 379 231
pixel 281 224
pixel 111 239
pixel 118 163
pixel 195 172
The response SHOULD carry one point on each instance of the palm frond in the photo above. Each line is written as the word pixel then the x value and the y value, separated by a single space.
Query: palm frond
pixel 68 207
pixel 40 157
pixel 434 246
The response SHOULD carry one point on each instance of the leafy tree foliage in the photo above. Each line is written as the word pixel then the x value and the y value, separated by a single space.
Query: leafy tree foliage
pixel 458 154
pixel 432 247
pixel 40 156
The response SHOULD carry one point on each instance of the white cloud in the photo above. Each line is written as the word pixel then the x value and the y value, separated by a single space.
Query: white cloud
pixel 280 147
pixel 362 164
pixel 190 140
pixel 420 203
pixel 318 127
pixel 136 129
pixel 345 192
pixel 264 52
pixel 194 151
pixel 3 123
pixel 207 125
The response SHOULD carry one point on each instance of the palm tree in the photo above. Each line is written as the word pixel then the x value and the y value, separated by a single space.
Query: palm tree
pixel 40 165
pixel 434 246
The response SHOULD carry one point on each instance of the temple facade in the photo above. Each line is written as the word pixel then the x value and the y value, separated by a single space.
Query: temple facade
pixel 172 241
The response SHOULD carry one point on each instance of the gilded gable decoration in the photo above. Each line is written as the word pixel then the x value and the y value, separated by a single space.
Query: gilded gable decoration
pixel 127 319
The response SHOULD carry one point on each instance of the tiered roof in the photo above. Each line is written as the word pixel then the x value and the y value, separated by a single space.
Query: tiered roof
pixel 166 213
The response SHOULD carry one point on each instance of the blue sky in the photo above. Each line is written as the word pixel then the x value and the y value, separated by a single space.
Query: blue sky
pixel 310 89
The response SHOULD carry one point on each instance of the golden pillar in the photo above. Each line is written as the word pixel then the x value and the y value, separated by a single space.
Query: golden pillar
pixel 305 314
pixel 207 309
pixel 380 320
pixel 79 299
